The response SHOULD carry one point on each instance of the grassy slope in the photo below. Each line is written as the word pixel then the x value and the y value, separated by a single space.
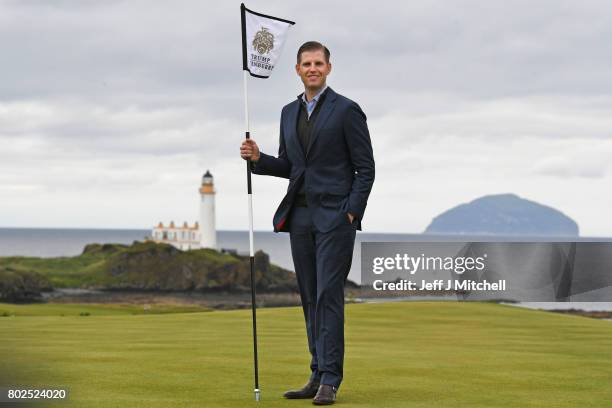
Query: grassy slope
pixel 398 355
pixel 74 271
pixel 147 265
pixel 91 268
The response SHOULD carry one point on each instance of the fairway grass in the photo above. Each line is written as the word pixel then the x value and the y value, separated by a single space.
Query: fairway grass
pixel 94 309
pixel 404 354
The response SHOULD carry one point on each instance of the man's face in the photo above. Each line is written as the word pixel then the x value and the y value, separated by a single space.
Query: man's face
pixel 313 69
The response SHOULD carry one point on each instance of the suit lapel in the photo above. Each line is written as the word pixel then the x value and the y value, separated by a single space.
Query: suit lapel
pixel 326 109
pixel 293 112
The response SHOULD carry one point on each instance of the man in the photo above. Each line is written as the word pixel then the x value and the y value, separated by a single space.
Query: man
pixel 326 153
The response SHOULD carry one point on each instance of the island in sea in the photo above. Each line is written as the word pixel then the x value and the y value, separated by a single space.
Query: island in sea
pixel 503 214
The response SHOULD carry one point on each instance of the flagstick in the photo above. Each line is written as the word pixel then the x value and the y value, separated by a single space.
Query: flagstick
pixel 251 252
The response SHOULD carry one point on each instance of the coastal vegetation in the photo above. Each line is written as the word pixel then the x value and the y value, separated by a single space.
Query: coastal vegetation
pixel 142 266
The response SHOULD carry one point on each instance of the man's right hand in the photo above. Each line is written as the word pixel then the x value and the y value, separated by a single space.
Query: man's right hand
pixel 249 150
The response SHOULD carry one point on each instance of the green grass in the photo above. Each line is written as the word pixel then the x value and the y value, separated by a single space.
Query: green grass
pixel 429 354
pixel 140 266
pixel 93 309
pixel 66 272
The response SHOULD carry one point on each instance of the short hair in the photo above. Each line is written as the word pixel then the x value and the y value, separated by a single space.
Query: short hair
pixel 313 46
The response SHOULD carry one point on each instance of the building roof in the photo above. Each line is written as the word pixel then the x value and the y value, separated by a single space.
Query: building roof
pixel 185 226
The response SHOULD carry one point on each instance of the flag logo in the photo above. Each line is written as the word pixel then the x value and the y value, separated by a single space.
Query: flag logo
pixel 263 42
pixel 263 37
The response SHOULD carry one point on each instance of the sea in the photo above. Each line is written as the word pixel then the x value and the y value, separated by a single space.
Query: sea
pixel 64 242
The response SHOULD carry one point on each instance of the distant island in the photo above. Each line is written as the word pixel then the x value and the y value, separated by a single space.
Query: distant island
pixel 503 214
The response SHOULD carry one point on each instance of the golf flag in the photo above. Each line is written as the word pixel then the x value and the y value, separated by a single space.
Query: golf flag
pixel 262 41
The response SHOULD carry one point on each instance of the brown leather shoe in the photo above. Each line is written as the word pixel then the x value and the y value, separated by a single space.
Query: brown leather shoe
pixel 308 391
pixel 326 395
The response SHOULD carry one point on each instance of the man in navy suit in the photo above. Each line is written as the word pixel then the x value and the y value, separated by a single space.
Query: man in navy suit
pixel 326 153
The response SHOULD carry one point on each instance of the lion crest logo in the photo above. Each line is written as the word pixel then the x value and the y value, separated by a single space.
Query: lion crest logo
pixel 263 41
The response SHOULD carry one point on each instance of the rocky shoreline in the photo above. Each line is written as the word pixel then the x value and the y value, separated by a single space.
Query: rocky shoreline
pixel 213 300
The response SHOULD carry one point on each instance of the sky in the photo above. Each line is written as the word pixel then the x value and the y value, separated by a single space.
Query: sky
pixel 111 111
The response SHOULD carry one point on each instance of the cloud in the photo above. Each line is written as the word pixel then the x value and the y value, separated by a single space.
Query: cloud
pixel 564 167
pixel 119 106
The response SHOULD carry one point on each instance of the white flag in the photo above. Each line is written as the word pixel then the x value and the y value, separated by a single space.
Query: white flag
pixel 262 41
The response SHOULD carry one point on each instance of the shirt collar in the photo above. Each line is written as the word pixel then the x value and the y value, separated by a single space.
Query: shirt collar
pixel 316 97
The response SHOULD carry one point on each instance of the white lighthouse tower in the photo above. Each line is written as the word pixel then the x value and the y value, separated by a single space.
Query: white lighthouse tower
pixel 208 231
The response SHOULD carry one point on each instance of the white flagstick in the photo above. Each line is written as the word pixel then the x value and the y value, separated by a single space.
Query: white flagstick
pixel 251 251
pixel 248 136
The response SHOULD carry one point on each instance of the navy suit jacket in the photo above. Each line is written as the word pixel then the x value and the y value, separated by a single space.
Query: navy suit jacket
pixel 337 168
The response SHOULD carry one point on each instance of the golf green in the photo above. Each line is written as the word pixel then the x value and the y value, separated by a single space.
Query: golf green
pixel 405 354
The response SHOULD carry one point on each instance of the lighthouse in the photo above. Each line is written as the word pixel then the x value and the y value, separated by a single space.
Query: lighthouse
pixel 208 231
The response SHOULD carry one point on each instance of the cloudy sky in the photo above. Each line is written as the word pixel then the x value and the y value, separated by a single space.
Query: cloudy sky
pixel 110 111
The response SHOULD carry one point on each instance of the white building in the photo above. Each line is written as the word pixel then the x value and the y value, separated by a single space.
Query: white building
pixel 202 234
pixel 184 237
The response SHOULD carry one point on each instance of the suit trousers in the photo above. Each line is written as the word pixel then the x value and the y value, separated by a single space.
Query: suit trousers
pixel 322 262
